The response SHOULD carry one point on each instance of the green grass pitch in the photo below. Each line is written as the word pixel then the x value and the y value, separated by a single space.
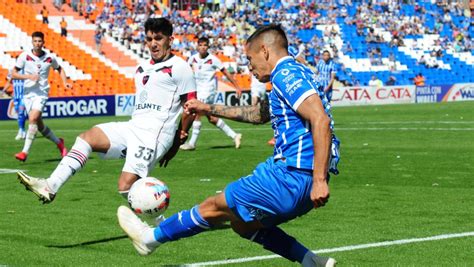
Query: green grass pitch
pixel 407 171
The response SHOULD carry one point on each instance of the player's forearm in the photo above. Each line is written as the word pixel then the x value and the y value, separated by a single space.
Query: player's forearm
pixel 258 114
pixel 322 143
pixel 18 76
pixel 62 73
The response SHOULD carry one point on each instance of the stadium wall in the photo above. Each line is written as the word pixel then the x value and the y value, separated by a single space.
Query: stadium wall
pixel 122 104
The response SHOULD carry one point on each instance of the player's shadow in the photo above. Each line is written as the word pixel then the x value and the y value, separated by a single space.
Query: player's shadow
pixel 87 243
pixel 53 160
pixel 110 239
pixel 221 147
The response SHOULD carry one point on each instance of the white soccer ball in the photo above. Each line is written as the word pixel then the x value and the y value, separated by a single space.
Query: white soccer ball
pixel 149 197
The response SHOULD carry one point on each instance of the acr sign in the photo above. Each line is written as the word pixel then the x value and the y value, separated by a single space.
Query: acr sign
pixel 366 95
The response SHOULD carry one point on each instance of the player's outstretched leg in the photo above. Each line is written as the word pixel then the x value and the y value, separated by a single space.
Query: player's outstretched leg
pixel 183 224
pixel 237 137
pixel 277 241
pixel 46 189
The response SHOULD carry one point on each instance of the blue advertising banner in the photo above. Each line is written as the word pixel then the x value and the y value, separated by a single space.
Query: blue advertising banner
pixel 63 107
pixel 431 94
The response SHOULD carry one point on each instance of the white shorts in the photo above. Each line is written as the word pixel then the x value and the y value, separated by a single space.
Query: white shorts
pixel 34 101
pixel 139 147
pixel 207 98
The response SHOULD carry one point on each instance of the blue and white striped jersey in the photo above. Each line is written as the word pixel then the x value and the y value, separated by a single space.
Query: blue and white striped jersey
pixel 325 70
pixel 292 83
pixel 18 86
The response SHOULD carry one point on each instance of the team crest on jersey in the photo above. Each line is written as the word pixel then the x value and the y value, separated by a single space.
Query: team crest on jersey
pixel 167 70
pixel 209 61
pixel 145 79
pixel 48 60
pixel 139 70
pixel 28 58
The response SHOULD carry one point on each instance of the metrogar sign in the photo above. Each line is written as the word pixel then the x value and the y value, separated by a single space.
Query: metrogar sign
pixel 367 95
pixel 63 107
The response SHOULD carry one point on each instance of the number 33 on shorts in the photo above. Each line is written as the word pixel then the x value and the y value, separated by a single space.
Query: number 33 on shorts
pixel 144 153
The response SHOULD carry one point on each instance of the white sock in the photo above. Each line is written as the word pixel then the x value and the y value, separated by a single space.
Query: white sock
pixel 70 164
pixel 308 259
pixel 195 134
pixel 148 237
pixel 225 128
pixel 30 137
pixel 46 132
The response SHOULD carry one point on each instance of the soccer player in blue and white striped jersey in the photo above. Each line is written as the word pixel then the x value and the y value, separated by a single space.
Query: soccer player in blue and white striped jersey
pixel 18 87
pixel 287 185
pixel 327 73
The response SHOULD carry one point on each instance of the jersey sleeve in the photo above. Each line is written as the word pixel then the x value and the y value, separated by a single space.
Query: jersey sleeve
pixel 184 78
pixel 20 61
pixel 217 63
pixel 54 62
pixel 294 86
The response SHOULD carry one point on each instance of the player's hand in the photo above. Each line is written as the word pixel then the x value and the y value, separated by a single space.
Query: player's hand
pixel 183 137
pixel 195 106
pixel 320 193
pixel 68 86
pixel 34 77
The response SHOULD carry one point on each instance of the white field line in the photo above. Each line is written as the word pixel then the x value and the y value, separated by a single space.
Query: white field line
pixel 336 129
pixel 342 249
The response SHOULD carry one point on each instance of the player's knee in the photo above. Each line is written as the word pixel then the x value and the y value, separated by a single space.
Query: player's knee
pixel 88 136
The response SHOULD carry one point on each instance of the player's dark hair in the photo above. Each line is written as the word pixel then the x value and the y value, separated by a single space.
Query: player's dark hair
pixel 273 28
pixel 157 25
pixel 38 34
pixel 327 51
pixel 203 40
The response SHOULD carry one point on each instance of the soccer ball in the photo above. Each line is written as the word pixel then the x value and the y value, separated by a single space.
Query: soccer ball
pixel 149 197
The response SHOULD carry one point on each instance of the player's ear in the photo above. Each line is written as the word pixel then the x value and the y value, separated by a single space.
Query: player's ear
pixel 171 38
pixel 266 53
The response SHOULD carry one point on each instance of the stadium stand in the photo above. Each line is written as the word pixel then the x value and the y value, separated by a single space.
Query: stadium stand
pixel 397 41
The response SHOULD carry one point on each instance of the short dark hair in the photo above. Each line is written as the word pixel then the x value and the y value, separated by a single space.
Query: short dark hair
pixel 327 51
pixel 159 25
pixel 203 40
pixel 276 28
pixel 38 34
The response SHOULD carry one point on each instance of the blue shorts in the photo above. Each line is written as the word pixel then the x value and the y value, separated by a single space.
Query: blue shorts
pixel 275 193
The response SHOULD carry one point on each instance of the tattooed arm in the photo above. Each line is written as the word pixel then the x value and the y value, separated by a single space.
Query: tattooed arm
pixel 258 114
